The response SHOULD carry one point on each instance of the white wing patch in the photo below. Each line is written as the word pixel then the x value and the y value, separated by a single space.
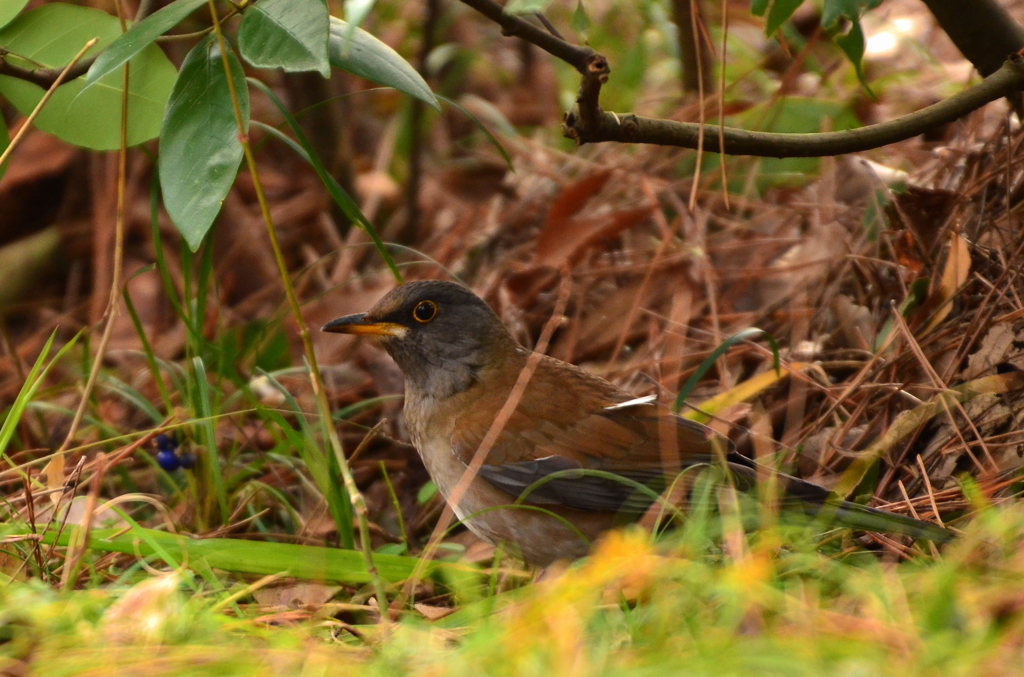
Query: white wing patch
pixel 646 399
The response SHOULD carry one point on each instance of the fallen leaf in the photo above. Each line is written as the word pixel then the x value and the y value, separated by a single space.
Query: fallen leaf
pixel 296 595
pixel 954 275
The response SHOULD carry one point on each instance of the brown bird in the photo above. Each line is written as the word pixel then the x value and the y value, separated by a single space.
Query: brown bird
pixel 460 365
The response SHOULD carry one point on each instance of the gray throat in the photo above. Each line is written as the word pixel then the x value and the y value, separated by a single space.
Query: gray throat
pixel 438 376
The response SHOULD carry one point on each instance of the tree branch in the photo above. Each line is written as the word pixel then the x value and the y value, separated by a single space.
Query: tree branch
pixel 512 25
pixel 44 77
pixel 588 123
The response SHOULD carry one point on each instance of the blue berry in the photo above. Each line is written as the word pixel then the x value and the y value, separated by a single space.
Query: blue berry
pixel 187 460
pixel 164 443
pixel 168 460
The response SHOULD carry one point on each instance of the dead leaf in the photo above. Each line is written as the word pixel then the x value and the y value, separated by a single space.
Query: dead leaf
pixel 433 613
pixel 576 195
pixel 954 276
pixel 564 240
pixel 54 472
pixel 296 595
pixel 992 351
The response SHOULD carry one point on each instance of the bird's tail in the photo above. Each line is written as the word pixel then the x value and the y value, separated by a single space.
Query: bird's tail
pixel 856 516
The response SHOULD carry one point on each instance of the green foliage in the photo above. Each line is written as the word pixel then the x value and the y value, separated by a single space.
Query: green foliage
pixel 90 118
pixel 852 43
pixel 245 557
pixel 28 390
pixel 199 144
pixel 833 10
pixel 10 9
pixel 580 21
pixel 780 13
pixel 749 334
pixel 356 12
pixel 527 6
pixel 138 37
pixel 367 57
pixel 288 34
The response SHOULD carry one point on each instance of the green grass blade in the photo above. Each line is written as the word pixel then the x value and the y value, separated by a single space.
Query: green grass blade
pixel 307 562
pixel 212 460
pixel 709 361
pixel 32 382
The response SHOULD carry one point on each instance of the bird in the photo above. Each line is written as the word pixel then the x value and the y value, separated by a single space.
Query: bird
pixel 576 444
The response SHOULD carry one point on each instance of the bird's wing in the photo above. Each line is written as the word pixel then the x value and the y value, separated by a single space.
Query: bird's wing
pixel 561 430
pixel 558 428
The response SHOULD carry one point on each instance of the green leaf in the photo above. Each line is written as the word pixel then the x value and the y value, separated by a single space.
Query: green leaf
pixel 758 7
pixel 580 22
pixel 288 34
pixel 426 492
pixel 497 117
pixel 138 37
pixel 199 145
pixel 368 57
pixel 10 9
pixel 852 45
pixel 527 6
pixel 356 12
pixel 851 9
pixel 780 13
pixel 51 35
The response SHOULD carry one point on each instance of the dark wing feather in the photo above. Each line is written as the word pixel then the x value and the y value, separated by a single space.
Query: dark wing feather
pixel 621 440
pixel 574 487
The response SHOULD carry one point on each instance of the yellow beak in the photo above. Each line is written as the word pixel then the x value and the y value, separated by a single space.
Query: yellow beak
pixel 359 325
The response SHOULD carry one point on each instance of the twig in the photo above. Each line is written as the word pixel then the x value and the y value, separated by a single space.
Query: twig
pixel 61 76
pixel 588 123
pixel 46 77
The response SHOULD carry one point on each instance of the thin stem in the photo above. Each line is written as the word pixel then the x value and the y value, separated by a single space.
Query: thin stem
pixel 42 102
pixel 115 282
pixel 323 406
pixel 721 102
pixel 694 13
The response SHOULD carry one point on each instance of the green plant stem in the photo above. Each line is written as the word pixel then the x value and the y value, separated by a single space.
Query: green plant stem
pixel 323 406
pixel 115 282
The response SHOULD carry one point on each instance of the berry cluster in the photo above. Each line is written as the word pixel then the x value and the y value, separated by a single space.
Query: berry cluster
pixel 168 456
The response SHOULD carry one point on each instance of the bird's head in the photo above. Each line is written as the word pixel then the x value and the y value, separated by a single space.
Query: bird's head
pixel 439 333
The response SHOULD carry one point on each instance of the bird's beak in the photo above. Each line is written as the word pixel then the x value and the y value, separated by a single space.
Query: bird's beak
pixel 358 324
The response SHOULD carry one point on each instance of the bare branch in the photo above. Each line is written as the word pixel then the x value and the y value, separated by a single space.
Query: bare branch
pixel 588 123
pixel 44 77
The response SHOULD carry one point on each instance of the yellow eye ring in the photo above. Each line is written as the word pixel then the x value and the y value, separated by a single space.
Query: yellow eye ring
pixel 424 312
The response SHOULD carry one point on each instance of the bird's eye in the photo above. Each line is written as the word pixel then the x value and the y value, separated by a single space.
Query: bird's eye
pixel 425 311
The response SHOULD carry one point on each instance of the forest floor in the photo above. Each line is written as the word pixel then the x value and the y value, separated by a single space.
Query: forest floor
pixel 890 283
